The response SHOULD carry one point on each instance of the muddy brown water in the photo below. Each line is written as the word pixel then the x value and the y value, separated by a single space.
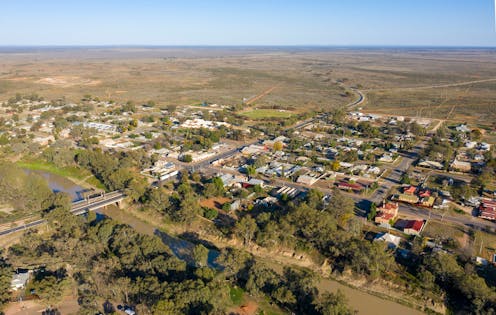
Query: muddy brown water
pixel 59 183
pixel 363 302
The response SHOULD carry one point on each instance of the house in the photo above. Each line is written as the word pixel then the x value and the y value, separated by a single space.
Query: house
pixel 44 140
pixel 487 209
pixel 253 182
pixel 410 190
pixel 392 241
pixel 266 202
pixel 427 201
pixel 235 205
pixel 386 213
pixel 461 166
pixel 19 279
pixel 470 144
pixel 410 227
pixel 254 149
pixel 412 199
pixel 386 158
pixel 424 193
pixel 230 180
pixel 350 186
pixel 484 146
pixel 307 180
pixel 431 164
pixel 462 128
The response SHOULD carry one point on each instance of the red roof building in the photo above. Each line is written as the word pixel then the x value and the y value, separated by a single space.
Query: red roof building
pixel 411 227
pixel 350 186
pixel 487 209
pixel 425 193
pixel 410 190
pixel 387 212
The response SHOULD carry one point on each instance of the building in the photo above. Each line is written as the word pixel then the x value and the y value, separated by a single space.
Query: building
pixel 99 126
pixel 462 128
pixel 487 209
pixel 410 190
pixel 350 186
pixel 431 164
pixel 387 213
pixel 253 182
pixel 392 241
pixel 19 279
pixel 412 199
pixel 307 180
pixel 427 201
pixel 461 166
pixel 410 227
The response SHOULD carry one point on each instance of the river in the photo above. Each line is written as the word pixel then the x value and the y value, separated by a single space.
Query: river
pixel 59 183
pixel 361 301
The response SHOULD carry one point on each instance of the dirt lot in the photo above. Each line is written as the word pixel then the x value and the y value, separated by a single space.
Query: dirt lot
pixel 68 306
pixel 214 203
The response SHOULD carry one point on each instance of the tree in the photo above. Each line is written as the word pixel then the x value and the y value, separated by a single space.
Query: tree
pixel 341 207
pixel 335 166
pixel 405 179
pixel 200 255
pixel 233 260
pixel 372 212
pixel 246 228
pixel 476 135
pixel 50 288
pixel 158 199
pixel 333 304
pixel 5 279
pixel 187 158
pixel 136 188
pixel 278 146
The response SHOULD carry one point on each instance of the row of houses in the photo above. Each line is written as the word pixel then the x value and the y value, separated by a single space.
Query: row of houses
pixel 413 195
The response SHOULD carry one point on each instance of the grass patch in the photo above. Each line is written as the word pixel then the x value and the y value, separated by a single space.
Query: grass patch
pixel 267 113
pixel 236 295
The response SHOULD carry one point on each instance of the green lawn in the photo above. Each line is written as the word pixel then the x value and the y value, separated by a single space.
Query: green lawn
pixel 267 113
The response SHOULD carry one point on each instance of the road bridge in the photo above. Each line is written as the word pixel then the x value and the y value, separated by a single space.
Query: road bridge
pixel 78 208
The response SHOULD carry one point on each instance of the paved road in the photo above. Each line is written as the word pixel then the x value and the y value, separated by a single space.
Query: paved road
pixel 432 86
pixel 205 163
pixel 394 177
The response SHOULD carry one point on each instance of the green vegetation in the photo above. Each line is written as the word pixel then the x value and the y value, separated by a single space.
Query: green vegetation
pixel 25 193
pixel 267 113
pixel 236 295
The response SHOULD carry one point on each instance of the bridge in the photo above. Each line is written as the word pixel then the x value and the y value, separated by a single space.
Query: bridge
pixel 78 208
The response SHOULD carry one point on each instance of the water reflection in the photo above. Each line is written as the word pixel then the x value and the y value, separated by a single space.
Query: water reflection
pixel 59 183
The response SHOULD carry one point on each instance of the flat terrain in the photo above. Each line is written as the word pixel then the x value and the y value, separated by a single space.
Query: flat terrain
pixel 267 113
pixel 449 84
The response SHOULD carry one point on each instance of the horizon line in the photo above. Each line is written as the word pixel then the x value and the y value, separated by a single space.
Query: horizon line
pixel 239 46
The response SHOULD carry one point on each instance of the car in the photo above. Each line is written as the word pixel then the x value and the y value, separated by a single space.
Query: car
pixel 129 311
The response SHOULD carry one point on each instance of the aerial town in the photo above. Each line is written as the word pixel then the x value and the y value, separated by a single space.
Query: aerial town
pixel 247 157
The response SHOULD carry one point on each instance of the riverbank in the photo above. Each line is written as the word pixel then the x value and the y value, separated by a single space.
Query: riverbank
pixel 361 300
pixel 79 176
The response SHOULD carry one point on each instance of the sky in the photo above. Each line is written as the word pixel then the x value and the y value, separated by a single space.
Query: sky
pixel 248 22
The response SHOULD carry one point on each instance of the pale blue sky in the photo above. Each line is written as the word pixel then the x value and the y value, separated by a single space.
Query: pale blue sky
pixel 248 22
